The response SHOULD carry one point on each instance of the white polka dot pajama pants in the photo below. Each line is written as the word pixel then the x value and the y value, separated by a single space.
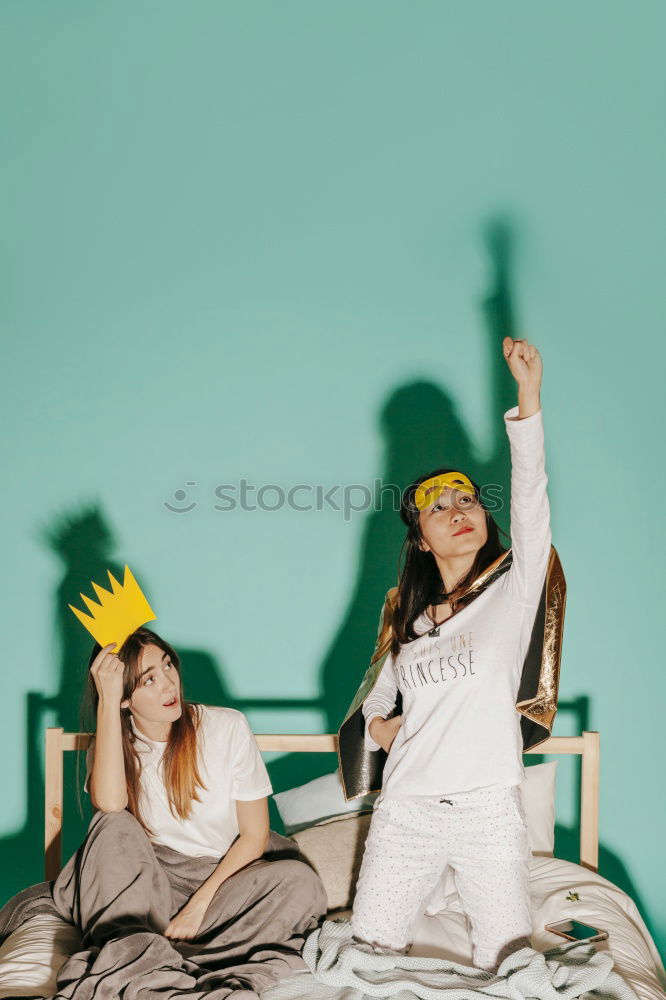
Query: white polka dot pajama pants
pixel 482 835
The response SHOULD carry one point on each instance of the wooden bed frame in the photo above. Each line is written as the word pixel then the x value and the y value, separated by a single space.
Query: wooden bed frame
pixel 586 746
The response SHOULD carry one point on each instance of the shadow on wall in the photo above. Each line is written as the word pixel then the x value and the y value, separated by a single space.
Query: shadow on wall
pixel 421 430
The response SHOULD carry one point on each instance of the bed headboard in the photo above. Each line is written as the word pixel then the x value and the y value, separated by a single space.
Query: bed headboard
pixel 586 746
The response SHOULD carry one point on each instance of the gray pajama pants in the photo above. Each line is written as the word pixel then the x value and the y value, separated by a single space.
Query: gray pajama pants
pixel 482 835
pixel 121 891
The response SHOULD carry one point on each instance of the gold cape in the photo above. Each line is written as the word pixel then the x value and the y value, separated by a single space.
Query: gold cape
pixel 361 769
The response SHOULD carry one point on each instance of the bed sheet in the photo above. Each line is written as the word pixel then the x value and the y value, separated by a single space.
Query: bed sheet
pixel 29 959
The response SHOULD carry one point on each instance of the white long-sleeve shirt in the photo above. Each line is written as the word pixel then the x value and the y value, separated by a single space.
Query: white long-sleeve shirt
pixel 459 681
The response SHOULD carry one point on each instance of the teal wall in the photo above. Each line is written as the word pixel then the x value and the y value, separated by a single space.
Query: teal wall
pixel 282 242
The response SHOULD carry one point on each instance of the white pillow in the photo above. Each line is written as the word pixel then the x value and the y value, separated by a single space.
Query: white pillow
pixel 31 957
pixel 317 800
pixel 538 794
pixel 323 798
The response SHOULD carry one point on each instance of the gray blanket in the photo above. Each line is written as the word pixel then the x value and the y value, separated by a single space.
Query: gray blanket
pixel 120 891
pixel 342 969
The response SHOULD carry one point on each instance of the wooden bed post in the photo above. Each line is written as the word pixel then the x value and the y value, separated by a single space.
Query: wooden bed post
pixel 589 802
pixel 587 746
pixel 53 804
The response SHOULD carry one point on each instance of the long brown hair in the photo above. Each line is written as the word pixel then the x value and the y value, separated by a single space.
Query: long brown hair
pixel 420 583
pixel 180 763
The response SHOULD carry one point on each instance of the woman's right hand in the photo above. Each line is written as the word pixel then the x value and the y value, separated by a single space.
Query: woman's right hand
pixel 384 731
pixel 107 671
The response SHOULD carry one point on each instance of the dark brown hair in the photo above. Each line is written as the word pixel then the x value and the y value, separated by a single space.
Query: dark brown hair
pixel 180 763
pixel 420 582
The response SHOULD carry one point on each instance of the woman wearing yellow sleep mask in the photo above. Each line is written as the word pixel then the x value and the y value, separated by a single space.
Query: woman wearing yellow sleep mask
pixel 444 701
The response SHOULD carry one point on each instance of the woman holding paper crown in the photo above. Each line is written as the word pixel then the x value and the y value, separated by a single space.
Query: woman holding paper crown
pixel 180 888
pixel 469 647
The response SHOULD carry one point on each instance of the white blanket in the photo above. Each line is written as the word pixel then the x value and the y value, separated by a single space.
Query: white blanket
pixel 571 970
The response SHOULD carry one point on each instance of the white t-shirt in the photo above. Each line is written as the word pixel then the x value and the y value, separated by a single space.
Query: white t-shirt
pixel 459 681
pixel 231 768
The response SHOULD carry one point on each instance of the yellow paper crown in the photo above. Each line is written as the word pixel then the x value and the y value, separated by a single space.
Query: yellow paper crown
pixel 119 613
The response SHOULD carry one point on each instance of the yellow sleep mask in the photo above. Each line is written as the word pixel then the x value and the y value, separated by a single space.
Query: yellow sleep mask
pixel 428 491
